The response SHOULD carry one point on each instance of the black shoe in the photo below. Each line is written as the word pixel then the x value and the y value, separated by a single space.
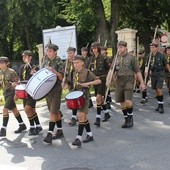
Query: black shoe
pixel 38 129
pixel 3 132
pixel 48 138
pixel 88 139
pixel 125 125
pixel 161 110
pixel 130 121
pixel 77 142
pixel 137 90
pixel 72 122
pixel 106 117
pixel 32 132
pixel 97 123
pixel 59 134
pixel 21 128
pixel 90 103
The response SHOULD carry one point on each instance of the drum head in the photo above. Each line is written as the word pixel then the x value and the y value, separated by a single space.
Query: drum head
pixel 20 87
pixel 74 95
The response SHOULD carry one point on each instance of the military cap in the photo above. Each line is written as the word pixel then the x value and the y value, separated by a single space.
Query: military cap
pixel 154 44
pixel 27 52
pixel 4 59
pixel 104 48
pixel 78 57
pixel 95 45
pixel 52 46
pixel 141 51
pixel 71 49
pixel 122 43
pixel 84 49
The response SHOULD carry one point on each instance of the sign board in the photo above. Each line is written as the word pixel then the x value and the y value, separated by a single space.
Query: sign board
pixel 63 37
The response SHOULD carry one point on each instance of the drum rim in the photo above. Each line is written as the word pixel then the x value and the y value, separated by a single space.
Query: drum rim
pixel 73 92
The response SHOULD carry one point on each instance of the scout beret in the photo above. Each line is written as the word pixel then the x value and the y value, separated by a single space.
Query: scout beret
pixel 154 44
pixel 27 52
pixel 71 49
pixel 52 46
pixel 104 48
pixel 78 57
pixel 95 45
pixel 122 43
pixel 84 49
pixel 4 59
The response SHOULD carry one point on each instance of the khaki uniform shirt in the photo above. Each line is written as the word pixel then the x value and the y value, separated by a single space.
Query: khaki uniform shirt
pixel 6 78
pixel 56 64
pixel 83 76
pixel 127 65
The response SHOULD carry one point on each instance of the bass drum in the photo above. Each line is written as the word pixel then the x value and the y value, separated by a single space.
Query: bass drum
pixel 75 100
pixel 41 83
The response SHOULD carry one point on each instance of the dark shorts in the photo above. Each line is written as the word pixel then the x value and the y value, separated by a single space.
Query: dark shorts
pixel 9 102
pixel 85 108
pixel 157 81
pixel 54 99
pixel 101 88
pixel 124 88
pixel 29 102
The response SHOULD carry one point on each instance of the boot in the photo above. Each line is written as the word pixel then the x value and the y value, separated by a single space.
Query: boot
pixel 88 139
pixel 106 117
pixel 72 122
pixel 130 121
pixel 38 129
pixel 3 132
pixel 59 134
pixel 157 109
pixel 125 125
pixel 90 103
pixel 32 132
pixel 21 128
pixel 77 142
pixel 97 122
pixel 48 138
pixel 144 100
pixel 161 109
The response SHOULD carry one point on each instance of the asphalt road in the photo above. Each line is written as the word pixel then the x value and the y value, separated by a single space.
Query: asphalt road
pixel 143 147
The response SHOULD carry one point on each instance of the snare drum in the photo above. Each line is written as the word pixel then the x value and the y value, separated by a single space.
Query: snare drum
pixel 41 83
pixel 20 91
pixel 75 100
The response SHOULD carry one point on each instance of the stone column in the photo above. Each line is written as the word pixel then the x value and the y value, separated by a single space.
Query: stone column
pixel 128 35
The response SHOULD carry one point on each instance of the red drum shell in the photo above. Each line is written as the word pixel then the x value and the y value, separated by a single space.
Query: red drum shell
pixel 20 92
pixel 75 103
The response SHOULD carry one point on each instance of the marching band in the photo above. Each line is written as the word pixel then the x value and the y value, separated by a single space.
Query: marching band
pixel 78 73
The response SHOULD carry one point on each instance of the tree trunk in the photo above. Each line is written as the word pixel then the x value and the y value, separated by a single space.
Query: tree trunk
pixel 114 20
pixel 101 28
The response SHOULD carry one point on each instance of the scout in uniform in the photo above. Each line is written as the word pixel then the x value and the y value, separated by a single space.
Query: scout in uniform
pixel 55 64
pixel 9 78
pixel 157 65
pixel 82 79
pixel 69 72
pixel 26 72
pixel 126 66
pixel 167 74
pixel 87 62
pixel 104 54
pixel 99 67
pixel 142 63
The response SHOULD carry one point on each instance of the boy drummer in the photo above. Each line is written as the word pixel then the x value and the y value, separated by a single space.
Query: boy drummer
pixel 82 78
pixel 8 79
pixel 55 64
